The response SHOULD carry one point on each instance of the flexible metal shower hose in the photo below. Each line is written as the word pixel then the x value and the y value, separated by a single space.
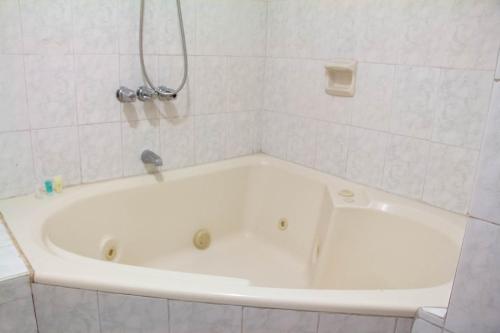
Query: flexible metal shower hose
pixel 184 51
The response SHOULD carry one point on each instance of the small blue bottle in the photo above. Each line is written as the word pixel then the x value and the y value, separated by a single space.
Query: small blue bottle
pixel 49 186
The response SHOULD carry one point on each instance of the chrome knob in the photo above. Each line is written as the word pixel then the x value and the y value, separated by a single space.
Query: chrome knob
pixel 145 94
pixel 166 94
pixel 125 95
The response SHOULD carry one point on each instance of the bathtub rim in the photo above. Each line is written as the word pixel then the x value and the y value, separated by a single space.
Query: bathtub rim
pixel 75 271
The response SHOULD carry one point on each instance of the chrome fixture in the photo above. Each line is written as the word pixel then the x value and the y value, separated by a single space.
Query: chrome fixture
pixel 148 157
pixel 163 92
pixel 145 94
pixel 126 95
pixel 166 94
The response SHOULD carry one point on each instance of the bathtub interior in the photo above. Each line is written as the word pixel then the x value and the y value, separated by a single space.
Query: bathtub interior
pixel 324 245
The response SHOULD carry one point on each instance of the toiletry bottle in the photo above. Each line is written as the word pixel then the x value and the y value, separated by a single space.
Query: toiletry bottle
pixel 58 184
pixel 49 188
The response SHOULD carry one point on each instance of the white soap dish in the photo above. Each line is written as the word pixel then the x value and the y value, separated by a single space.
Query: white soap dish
pixel 341 78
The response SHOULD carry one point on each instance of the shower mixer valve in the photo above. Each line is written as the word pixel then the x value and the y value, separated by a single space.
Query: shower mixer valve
pixel 126 95
pixel 166 94
pixel 145 94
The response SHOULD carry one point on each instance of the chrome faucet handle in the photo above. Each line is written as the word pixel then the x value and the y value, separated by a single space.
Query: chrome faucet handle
pixel 166 94
pixel 145 94
pixel 125 95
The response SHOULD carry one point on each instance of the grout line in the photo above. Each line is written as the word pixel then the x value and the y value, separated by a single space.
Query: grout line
pixel 318 315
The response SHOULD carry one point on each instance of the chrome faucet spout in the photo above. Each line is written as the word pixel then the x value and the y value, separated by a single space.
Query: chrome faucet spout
pixel 149 157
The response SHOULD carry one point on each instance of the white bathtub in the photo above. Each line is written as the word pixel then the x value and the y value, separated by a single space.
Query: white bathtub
pixel 372 253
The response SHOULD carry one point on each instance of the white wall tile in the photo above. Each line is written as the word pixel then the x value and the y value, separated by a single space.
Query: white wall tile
pixel 177 142
pixel 4 241
pixel 284 37
pixel 231 28
pixel 188 317
pixel 486 197
pixel 167 27
pixel 497 72
pixel 372 101
pixel 137 137
pixel 421 326
pixel 278 84
pixel 11 263
pixel 298 87
pixel 16 173
pixel 101 151
pixel 403 325
pixel 126 313
pixel 56 153
pixel 474 303
pixel 96 84
pixel 10 28
pixel 128 32
pixel 306 85
pixel 450 175
pixel 366 154
pixel 405 166
pixel 209 137
pixel 245 77
pixel 336 25
pixel 13 107
pixel 340 323
pixel 210 85
pixel 51 85
pixel 241 134
pixel 47 26
pixel 425 24
pixel 380 35
pixel 96 26
pixel 331 148
pixel 60 310
pixel 18 316
pixel 472 35
pixel 414 101
pixel 274 134
pixel 462 107
pixel 15 288
pixel 302 141
pixel 257 320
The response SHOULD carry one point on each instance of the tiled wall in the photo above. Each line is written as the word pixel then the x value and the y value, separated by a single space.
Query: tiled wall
pixel 16 306
pixel 474 304
pixel 74 310
pixel 62 61
pixel 11 263
pixel 414 127
pixel 425 72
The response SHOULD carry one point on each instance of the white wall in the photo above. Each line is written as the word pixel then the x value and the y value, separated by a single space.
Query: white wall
pixel 414 127
pixel 415 124
pixel 61 62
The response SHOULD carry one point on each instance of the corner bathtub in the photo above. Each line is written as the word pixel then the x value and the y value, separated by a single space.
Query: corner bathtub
pixel 282 236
